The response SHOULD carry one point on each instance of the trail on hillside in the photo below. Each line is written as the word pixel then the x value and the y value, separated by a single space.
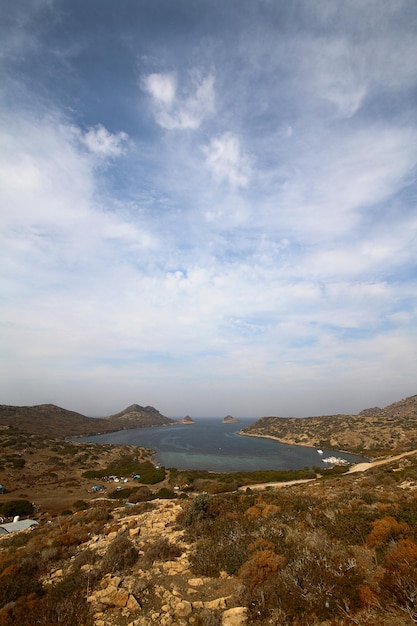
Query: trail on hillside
pixel 359 467
pixel 362 467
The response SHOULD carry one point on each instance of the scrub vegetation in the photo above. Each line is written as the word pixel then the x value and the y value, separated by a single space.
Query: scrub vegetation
pixel 328 552
pixel 338 548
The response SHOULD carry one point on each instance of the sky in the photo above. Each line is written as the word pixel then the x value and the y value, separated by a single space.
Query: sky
pixel 208 206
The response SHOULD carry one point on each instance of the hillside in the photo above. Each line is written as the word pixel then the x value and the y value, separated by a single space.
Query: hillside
pixel 54 421
pixel 204 549
pixel 373 431
pixel 339 551
pixel 52 472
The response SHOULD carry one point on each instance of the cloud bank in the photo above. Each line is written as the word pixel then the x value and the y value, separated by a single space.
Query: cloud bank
pixel 216 216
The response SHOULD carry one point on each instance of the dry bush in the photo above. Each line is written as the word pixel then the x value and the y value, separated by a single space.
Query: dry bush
pixel 349 526
pixel 120 555
pixel 385 529
pixel 19 579
pixel 262 509
pixel 141 494
pixel 399 582
pixel 162 550
pixel 85 557
pixel 66 602
pixel 317 578
pixel 212 556
pixel 261 566
pixel 21 612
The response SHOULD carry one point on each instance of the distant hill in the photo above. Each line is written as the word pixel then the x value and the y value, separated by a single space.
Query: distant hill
pixel 373 431
pixel 54 421
pixel 186 420
pixel 136 416
pixel 229 419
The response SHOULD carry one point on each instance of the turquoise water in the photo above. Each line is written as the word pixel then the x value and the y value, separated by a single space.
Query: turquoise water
pixel 211 445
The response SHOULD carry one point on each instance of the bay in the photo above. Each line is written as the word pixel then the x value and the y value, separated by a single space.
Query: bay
pixel 211 445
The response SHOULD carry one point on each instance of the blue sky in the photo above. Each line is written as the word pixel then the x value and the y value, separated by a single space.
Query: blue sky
pixel 209 207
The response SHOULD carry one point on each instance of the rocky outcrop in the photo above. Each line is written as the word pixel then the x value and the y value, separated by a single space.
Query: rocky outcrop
pixel 229 419
pixel 178 596
pixel 187 420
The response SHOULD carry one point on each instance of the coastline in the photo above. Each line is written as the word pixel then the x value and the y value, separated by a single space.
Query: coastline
pixel 305 445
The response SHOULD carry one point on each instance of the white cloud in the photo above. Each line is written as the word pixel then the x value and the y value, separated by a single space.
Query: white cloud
pixel 184 111
pixel 226 161
pixel 54 218
pixel 335 179
pixel 103 143
pixel 162 88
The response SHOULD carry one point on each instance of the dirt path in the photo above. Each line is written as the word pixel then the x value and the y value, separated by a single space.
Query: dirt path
pixel 260 486
pixel 359 467
pixel 362 467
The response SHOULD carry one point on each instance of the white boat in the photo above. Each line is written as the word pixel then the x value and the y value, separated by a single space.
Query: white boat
pixel 319 451
pixel 334 460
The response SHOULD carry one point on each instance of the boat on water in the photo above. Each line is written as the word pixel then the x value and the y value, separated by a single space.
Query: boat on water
pixel 334 460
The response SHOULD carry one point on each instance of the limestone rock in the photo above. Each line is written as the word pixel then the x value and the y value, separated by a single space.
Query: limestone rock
pixel 183 609
pixel 132 604
pixel 218 603
pixel 112 596
pixel 238 616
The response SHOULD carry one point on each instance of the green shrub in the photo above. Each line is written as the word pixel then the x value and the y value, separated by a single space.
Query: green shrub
pixel 197 509
pixel 164 494
pixel 350 526
pixel 80 505
pixel 140 494
pixel 16 507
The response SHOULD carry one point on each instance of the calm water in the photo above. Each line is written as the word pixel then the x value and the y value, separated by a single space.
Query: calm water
pixel 211 445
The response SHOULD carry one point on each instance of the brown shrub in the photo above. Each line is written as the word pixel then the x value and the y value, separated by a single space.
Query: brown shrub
pixel 261 567
pixel 19 579
pixel 399 583
pixel 384 530
pixel 120 555
pixel 162 550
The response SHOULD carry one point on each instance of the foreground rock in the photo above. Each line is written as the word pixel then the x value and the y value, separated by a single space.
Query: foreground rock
pixel 176 596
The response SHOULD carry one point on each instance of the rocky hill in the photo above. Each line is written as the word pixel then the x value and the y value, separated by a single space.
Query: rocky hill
pixel 54 421
pixel 186 420
pixel 136 416
pixel 373 431
pixel 229 419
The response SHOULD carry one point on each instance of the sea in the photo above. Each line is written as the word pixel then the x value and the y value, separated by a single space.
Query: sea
pixel 211 445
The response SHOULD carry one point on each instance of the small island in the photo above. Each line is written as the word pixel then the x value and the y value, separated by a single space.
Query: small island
pixel 187 420
pixel 229 419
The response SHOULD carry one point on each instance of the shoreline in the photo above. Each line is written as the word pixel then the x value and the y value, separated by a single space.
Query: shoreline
pixel 305 445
